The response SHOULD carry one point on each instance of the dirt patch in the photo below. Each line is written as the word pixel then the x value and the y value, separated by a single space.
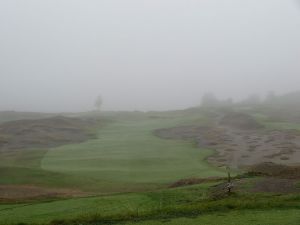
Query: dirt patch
pixel 50 132
pixel 193 181
pixel 10 193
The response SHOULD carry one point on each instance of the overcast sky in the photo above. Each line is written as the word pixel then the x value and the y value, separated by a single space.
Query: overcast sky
pixel 58 55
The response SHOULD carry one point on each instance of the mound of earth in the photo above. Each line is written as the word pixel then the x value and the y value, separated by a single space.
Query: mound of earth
pixel 276 185
pixel 6 116
pixel 240 121
pixel 49 132
pixel 276 170
pixel 274 178
pixel 269 178
pixel 193 181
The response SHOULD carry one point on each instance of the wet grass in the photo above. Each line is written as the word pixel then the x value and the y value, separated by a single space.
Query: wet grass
pixel 127 152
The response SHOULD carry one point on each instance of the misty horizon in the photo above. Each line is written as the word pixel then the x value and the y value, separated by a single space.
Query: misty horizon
pixel 58 56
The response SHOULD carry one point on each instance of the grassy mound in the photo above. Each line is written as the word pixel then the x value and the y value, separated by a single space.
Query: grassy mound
pixel 50 132
pixel 276 170
pixel 240 121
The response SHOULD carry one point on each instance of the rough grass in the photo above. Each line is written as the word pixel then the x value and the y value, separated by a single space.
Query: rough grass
pixel 105 206
pixel 199 208
pixel 282 125
pixel 172 206
pixel 245 217
pixel 6 116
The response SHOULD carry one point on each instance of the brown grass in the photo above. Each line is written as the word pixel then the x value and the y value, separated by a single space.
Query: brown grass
pixel 13 193
pixel 50 132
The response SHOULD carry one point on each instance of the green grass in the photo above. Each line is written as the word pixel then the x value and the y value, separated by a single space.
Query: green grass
pixel 127 157
pixel 29 158
pixel 189 205
pixel 44 212
pixel 243 204
pixel 264 120
pixel 245 217
pixel 127 153
pixel 282 125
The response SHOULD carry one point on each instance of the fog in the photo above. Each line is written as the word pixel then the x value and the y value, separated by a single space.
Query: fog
pixel 59 55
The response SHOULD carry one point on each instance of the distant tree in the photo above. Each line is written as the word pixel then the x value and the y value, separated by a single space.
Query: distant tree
pixel 271 96
pixel 98 103
pixel 228 102
pixel 251 100
pixel 209 100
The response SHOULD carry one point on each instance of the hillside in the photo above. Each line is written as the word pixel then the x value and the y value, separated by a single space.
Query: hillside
pixel 6 116
pixel 148 168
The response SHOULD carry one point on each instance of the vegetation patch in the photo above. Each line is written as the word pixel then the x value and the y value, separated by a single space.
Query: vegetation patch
pixel 240 121
pixel 276 170
pixel 45 133
pixel 193 181
pixel 22 193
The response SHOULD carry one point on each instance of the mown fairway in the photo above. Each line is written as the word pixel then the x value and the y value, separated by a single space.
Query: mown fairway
pixel 127 155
